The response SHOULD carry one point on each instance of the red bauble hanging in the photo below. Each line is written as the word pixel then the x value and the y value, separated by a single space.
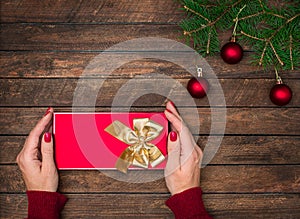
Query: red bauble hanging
pixel 281 94
pixel 198 87
pixel 232 52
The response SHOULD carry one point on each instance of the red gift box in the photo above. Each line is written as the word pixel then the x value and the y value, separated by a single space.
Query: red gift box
pixel 83 142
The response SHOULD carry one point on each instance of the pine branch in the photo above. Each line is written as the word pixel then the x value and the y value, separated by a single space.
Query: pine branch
pixel 272 32
pixel 208 41
pixel 261 13
pixel 291 54
pixel 210 23
pixel 196 13
pixel 268 41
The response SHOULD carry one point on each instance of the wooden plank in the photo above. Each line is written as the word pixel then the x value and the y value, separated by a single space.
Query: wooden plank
pixel 223 206
pixel 10 146
pixel 60 92
pixel 90 12
pixel 240 121
pixel 63 64
pixel 91 37
pixel 77 37
pixel 240 179
pixel 257 150
pixel 233 150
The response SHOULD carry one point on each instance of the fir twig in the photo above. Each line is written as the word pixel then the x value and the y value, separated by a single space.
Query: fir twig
pixel 272 32
pixel 236 20
pixel 251 15
pixel 261 5
pixel 261 13
pixel 276 54
pixel 250 36
pixel 196 13
pixel 276 15
pixel 291 54
pixel 268 42
pixel 278 29
pixel 211 23
pixel 263 54
pixel 208 41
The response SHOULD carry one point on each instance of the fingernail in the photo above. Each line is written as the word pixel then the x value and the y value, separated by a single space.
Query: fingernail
pixel 47 137
pixel 47 111
pixel 173 136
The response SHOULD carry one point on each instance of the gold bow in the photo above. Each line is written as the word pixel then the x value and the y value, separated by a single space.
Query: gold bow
pixel 139 152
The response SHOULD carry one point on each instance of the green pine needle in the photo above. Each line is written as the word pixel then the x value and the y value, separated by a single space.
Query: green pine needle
pixel 272 32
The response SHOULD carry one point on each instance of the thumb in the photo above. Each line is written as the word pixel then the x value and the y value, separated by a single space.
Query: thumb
pixel 173 162
pixel 47 151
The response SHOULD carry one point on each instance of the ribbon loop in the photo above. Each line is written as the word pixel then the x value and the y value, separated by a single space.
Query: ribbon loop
pixel 139 152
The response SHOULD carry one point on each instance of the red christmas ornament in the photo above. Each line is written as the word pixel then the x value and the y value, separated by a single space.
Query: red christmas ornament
pixel 232 52
pixel 281 94
pixel 198 87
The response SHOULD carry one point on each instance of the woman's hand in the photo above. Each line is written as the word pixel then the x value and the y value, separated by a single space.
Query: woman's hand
pixel 36 160
pixel 182 171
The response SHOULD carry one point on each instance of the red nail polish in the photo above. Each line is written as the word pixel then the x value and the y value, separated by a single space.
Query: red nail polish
pixel 173 136
pixel 48 111
pixel 47 137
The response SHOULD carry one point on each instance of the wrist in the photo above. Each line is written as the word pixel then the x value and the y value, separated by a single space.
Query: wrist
pixel 180 189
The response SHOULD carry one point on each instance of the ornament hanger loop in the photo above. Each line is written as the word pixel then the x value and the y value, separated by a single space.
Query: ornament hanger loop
pixel 278 78
pixel 199 71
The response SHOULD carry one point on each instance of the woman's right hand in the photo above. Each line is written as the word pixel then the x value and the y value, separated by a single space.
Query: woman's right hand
pixel 182 171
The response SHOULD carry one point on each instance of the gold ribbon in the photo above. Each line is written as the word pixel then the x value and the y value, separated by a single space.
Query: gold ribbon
pixel 139 152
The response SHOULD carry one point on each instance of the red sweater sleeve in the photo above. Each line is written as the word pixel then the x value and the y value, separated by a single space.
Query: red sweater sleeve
pixel 188 204
pixel 46 205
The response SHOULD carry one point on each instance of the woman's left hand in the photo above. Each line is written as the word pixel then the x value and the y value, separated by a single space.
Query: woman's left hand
pixel 36 160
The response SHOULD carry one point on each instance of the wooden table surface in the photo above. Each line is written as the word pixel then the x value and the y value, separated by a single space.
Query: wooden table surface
pixel 45 46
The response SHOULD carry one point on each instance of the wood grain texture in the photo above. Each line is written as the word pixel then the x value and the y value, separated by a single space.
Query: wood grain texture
pixel 45 46
pixel 263 150
pixel 62 64
pixel 240 178
pixel 77 11
pixel 78 37
pixel 91 37
pixel 241 121
pixel 223 206
pixel 60 92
